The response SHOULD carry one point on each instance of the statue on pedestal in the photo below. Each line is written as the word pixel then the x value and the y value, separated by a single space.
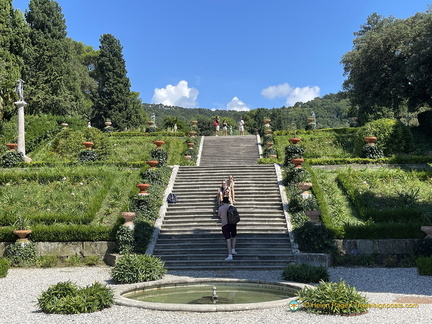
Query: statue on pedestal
pixel 20 89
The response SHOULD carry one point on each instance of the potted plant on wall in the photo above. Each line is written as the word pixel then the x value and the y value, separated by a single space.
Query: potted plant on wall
pixel 310 208
pixel 22 229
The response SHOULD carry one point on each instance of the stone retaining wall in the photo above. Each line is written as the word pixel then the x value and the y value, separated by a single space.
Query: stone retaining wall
pixel 65 249
pixel 378 246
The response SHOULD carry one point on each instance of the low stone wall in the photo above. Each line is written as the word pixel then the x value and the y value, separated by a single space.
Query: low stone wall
pixel 378 246
pixel 65 249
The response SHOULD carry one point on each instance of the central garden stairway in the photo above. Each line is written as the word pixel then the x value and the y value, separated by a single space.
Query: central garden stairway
pixel 190 236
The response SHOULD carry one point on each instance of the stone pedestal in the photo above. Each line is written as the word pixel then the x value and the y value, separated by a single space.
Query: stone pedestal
pixel 21 130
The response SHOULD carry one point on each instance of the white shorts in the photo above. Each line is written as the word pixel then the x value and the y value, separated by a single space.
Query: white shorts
pixel 217 127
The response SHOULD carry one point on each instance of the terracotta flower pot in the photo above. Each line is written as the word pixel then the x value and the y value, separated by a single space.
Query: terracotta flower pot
pixel 88 145
pixel 304 186
pixel 152 164
pixel 272 156
pixel 294 140
pixel 22 233
pixel 192 133
pixel 159 143
pixel 187 157
pixel 190 144
pixel 370 139
pixel 310 120
pixel 150 122
pixel 64 125
pixel 194 122
pixel 313 215
pixel 11 146
pixel 143 187
pixel 267 121
pixel 128 217
pixel 108 123
pixel 269 144
pixel 297 162
pixel 268 131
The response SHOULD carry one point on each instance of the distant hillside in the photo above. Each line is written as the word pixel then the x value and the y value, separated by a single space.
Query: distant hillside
pixel 330 111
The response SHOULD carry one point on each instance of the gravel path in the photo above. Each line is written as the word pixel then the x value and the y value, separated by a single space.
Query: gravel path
pixel 20 289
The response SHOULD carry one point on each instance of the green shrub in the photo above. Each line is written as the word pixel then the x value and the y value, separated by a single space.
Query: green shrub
pixel 47 261
pixel 132 268
pixel 92 260
pixel 145 206
pixel 424 266
pixel 4 267
pixel 333 299
pixel 125 240
pixel 423 247
pixel 393 136
pixel 160 155
pixel 314 239
pixel 21 254
pixel 69 298
pixel 293 151
pixel 153 176
pixel 305 273
pixel 372 152
pixel 11 159
pixel 87 156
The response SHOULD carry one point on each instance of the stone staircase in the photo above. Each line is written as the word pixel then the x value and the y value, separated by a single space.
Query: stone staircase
pixel 190 237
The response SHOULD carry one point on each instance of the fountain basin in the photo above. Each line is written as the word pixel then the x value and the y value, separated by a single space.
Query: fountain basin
pixel 195 294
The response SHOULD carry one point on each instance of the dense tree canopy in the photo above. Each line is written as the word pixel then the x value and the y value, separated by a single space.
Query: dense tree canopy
pixel 388 70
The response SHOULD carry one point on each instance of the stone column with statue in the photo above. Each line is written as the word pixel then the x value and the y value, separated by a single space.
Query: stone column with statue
pixel 21 129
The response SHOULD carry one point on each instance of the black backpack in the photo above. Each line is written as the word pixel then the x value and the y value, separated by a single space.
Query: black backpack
pixel 172 198
pixel 233 215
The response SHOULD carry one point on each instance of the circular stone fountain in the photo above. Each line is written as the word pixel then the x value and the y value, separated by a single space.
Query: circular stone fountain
pixel 206 294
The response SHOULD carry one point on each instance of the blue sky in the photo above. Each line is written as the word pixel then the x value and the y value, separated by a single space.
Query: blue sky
pixel 229 54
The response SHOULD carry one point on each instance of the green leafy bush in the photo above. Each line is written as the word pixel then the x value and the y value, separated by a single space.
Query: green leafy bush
pixel 68 298
pixel 372 152
pixel 153 176
pixel 314 239
pixel 423 247
pixel 160 155
pixel 47 261
pixel 11 159
pixel 21 254
pixel 4 267
pixel 424 266
pixel 125 240
pixel 293 151
pixel 145 206
pixel 333 299
pixel 88 156
pixel 305 273
pixel 393 136
pixel 132 268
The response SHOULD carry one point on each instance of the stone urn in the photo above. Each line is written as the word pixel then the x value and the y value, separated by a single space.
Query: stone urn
pixel 310 120
pixel 294 140
pixel 22 233
pixel 304 186
pixel 313 216
pixel 152 163
pixel 88 145
pixel 297 162
pixel 143 187
pixel 267 131
pixel 11 146
pixel 150 122
pixel 159 143
pixel 370 139
pixel 194 122
pixel 128 217
pixel 427 230
pixel 269 144
pixel 187 157
pixel 192 133
pixel 190 144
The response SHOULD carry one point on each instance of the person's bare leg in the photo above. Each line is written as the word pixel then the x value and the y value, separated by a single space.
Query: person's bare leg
pixel 233 245
pixel 229 246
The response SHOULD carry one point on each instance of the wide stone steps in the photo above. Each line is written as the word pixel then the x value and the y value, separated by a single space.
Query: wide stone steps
pixel 190 236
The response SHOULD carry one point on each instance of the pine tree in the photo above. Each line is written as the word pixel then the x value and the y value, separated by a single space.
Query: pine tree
pixel 114 100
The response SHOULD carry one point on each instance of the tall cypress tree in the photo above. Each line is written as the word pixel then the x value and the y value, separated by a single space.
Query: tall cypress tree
pixel 52 81
pixel 13 40
pixel 114 100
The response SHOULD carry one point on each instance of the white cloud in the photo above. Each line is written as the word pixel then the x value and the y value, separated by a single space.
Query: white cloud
pixel 237 104
pixel 179 95
pixel 292 95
